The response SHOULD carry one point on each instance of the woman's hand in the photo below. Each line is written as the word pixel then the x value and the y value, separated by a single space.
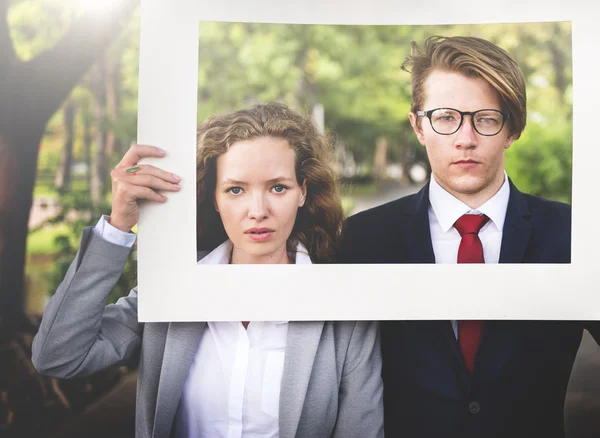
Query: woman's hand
pixel 140 182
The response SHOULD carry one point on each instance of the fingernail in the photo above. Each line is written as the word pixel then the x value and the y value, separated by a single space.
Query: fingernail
pixel 165 199
pixel 176 178
pixel 162 151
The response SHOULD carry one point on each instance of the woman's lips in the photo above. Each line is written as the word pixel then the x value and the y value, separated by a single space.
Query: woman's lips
pixel 260 234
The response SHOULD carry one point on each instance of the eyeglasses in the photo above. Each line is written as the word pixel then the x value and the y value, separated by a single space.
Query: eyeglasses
pixel 447 121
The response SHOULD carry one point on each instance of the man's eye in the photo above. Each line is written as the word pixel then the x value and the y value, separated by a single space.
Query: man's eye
pixel 234 190
pixel 279 188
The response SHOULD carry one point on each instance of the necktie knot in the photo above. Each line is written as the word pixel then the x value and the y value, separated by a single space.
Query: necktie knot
pixel 470 223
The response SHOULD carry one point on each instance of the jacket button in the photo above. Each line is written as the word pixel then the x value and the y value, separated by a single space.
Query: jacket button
pixel 474 407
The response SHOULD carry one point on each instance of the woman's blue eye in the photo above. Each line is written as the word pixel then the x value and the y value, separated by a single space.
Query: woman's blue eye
pixel 279 188
pixel 235 190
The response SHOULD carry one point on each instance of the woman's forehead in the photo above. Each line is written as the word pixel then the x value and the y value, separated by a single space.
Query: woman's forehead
pixel 257 161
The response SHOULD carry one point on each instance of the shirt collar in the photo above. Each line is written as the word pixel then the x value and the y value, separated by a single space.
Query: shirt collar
pixel 222 253
pixel 448 209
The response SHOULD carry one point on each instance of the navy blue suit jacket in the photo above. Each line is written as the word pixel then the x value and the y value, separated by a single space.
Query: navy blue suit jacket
pixel 522 368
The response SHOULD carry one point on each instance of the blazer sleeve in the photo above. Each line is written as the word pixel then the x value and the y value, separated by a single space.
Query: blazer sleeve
pixel 79 333
pixel 360 411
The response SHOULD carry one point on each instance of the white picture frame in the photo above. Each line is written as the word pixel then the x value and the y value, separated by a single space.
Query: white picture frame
pixel 173 287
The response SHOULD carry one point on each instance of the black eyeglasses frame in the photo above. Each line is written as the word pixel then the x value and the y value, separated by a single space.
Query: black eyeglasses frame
pixel 428 114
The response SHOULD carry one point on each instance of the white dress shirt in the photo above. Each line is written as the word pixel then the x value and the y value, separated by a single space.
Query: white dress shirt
pixel 444 211
pixel 233 385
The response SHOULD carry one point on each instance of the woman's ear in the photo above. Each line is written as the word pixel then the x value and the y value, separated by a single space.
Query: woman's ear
pixel 215 204
pixel 303 193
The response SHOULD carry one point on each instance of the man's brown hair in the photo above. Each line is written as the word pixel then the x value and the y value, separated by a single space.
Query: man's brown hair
pixel 472 57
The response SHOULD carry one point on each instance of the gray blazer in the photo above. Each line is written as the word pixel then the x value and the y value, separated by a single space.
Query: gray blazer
pixel 331 384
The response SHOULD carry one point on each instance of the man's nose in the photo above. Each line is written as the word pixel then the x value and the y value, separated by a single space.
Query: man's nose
pixel 466 137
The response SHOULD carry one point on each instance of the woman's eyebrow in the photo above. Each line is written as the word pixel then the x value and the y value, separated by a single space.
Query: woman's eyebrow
pixel 227 181
pixel 279 179
pixel 231 181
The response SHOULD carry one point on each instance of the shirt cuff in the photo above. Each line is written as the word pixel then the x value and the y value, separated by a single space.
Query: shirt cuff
pixel 106 231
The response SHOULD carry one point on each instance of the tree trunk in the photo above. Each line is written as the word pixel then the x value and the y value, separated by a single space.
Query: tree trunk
pixel 111 80
pixel 30 93
pixel 87 146
pixel 99 170
pixel 380 157
pixel 305 93
pixel 17 179
pixel 559 62
pixel 63 174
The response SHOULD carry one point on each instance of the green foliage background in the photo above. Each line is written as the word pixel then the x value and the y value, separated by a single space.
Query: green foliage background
pixel 353 71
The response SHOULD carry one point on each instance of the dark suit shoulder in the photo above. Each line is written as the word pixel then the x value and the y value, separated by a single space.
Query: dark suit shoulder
pixel 549 223
pixel 390 211
pixel 375 235
pixel 545 208
pixel 549 218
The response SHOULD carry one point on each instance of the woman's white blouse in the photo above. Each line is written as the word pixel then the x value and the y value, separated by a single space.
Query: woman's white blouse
pixel 233 386
pixel 232 389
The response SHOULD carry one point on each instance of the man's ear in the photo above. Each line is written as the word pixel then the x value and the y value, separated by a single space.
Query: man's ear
pixel 303 193
pixel 414 122
pixel 509 141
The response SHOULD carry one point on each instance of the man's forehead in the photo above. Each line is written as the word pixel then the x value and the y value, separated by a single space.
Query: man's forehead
pixel 452 89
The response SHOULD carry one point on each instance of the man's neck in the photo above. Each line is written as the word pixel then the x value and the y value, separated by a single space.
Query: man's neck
pixel 477 199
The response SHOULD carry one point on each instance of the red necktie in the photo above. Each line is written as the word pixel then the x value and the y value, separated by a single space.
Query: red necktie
pixel 470 250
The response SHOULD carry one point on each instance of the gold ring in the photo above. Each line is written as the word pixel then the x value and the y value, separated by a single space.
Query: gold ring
pixel 132 169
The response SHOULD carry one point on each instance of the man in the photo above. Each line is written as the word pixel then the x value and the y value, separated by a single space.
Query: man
pixel 469 379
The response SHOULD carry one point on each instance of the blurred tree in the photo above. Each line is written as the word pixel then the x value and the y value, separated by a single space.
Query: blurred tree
pixel 354 72
pixel 31 89
pixel 99 166
pixel 63 174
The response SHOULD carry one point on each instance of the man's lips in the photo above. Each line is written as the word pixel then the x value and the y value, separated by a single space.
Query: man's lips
pixel 466 164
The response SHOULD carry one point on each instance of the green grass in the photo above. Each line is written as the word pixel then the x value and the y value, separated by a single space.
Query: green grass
pixel 42 241
pixel 45 191
pixel 45 187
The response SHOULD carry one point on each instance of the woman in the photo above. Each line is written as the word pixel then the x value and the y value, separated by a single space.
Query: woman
pixel 266 194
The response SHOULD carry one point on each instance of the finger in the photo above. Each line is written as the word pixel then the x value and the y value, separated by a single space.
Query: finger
pixel 153 182
pixel 138 151
pixel 140 193
pixel 147 169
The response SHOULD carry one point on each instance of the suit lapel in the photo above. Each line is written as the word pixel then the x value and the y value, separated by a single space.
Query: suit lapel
pixel 517 228
pixel 302 344
pixel 416 232
pixel 446 327
pixel 515 239
pixel 180 348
